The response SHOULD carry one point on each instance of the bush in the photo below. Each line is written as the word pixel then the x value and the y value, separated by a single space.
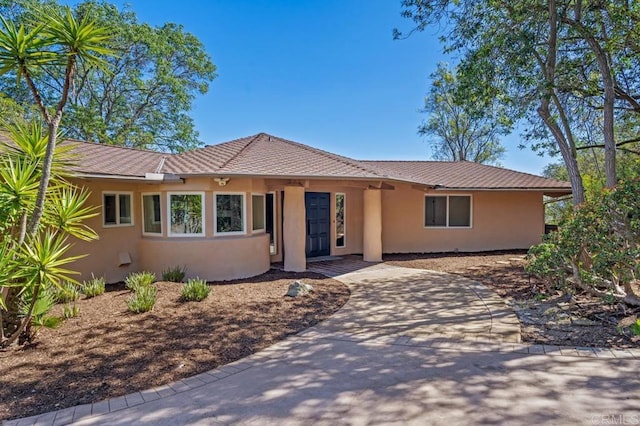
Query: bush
pixel 70 311
pixel 195 290
pixel 143 299
pixel 138 280
pixel 94 287
pixel 175 274
pixel 67 292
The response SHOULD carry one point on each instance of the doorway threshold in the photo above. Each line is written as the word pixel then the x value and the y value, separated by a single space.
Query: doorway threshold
pixel 322 258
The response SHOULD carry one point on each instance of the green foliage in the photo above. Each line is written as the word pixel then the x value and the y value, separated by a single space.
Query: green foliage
pixel 175 274
pixel 568 71
pixel 599 243
pixel 45 42
pixel 94 287
pixel 635 327
pixel 143 299
pixel 39 312
pixel 67 292
pixel 146 101
pixel 70 311
pixel 195 290
pixel 461 128
pixel 137 280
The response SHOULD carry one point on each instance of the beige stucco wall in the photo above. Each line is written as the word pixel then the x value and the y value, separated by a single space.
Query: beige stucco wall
pixel 500 220
pixel 222 257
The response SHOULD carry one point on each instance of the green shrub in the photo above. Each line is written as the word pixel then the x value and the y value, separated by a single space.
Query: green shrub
pixel 67 292
pixel 44 304
pixel 175 274
pixel 195 290
pixel 143 299
pixel 70 311
pixel 137 280
pixel 635 327
pixel 94 287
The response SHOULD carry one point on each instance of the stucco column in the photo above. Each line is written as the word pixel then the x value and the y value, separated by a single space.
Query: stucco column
pixel 372 238
pixel 294 229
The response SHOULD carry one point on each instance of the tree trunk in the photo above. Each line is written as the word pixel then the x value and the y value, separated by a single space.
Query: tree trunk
pixel 38 209
pixel 570 161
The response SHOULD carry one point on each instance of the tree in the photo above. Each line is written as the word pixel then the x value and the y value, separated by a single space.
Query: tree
pixel 33 249
pixel 569 68
pixel 462 129
pixel 142 98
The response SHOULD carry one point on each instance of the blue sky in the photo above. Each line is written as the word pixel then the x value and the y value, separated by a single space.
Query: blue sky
pixel 326 73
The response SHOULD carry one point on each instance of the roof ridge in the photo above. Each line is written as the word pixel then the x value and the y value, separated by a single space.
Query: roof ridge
pixel 343 159
pixel 251 139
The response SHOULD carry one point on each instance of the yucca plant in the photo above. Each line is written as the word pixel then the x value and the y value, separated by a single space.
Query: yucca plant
pixel 37 311
pixel 32 241
pixel 143 300
pixel 195 290
pixel 94 287
pixel 138 280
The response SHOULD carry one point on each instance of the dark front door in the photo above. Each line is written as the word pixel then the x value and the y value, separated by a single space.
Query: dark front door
pixel 318 207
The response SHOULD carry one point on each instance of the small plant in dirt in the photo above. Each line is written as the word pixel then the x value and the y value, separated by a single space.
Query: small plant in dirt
pixel 94 287
pixel 195 290
pixel 137 280
pixel 45 301
pixel 70 311
pixel 67 292
pixel 635 327
pixel 175 274
pixel 143 299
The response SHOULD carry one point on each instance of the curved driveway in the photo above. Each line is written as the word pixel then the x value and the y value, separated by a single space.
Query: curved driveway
pixel 410 347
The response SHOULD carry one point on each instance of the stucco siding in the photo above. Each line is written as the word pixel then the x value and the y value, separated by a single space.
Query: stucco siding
pixel 500 220
pixel 208 258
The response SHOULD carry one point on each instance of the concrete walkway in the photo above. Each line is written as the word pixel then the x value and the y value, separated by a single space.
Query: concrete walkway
pixel 410 347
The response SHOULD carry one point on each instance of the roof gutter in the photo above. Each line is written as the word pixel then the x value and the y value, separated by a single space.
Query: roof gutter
pixel 148 177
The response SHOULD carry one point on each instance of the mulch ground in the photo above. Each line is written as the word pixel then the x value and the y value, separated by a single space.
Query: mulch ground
pixel 107 351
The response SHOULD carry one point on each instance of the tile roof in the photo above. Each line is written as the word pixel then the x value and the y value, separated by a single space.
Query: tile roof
pixel 269 156
pixel 465 175
pixel 266 155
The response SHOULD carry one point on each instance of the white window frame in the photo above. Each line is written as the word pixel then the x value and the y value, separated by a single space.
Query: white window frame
pixel 117 195
pixel 202 213
pixel 424 211
pixel 153 234
pixel 264 213
pixel 344 220
pixel 215 214
pixel 275 222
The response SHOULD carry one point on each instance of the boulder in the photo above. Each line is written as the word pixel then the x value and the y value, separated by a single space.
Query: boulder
pixel 298 288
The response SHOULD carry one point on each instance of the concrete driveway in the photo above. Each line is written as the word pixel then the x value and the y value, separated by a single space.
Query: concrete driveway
pixel 410 347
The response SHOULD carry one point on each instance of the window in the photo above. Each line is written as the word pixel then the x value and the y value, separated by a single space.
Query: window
pixel 116 209
pixel 258 212
pixel 151 216
pixel 340 224
pixel 453 211
pixel 186 214
pixel 229 218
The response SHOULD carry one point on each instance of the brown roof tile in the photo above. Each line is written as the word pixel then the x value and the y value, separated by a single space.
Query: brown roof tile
pixel 465 175
pixel 266 155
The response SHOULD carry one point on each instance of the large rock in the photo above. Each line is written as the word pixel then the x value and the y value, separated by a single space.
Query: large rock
pixel 298 288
